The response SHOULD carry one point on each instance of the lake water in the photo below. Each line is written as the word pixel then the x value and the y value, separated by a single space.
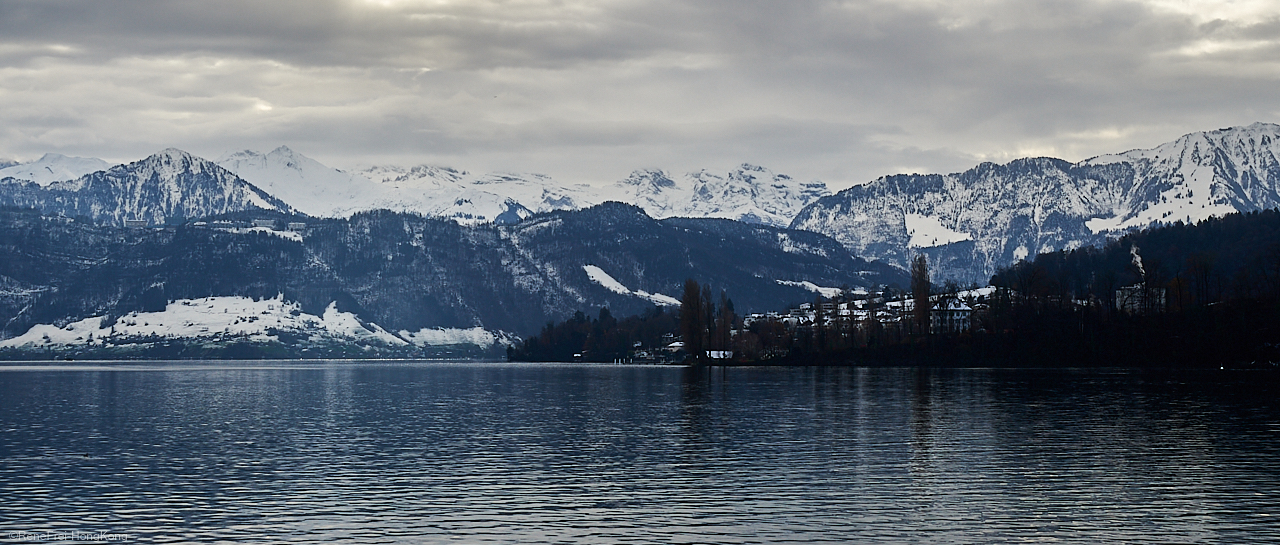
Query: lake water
pixel 508 453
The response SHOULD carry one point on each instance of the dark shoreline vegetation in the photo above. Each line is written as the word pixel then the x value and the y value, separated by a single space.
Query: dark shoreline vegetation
pixel 1184 296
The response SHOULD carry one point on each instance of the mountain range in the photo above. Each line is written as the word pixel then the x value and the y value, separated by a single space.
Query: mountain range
pixel 388 281
pixel 973 222
pixel 969 223
pixel 54 183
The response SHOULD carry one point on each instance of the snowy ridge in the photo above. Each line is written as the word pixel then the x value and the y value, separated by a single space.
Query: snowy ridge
pixel 750 193
pixel 972 222
pixel 54 167
pixel 1196 177
pixel 321 191
pixel 228 318
pixel 597 275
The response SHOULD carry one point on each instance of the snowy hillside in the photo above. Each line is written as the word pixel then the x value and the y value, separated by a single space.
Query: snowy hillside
pixel 972 222
pixel 1198 176
pixel 231 319
pixel 53 167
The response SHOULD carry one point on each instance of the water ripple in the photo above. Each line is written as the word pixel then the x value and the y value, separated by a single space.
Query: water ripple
pixel 421 453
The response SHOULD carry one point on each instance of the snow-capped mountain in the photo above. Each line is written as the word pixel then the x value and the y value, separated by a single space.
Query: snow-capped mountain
pixel 750 193
pixel 54 167
pixel 471 199
pixel 308 186
pixel 169 185
pixel 321 191
pixel 1197 176
pixel 972 222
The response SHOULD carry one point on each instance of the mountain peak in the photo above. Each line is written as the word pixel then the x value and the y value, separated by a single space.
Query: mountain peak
pixel 174 155
pixel 1002 213
pixel 648 178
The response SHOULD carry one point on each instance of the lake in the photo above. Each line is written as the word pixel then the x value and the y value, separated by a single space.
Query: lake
pixel 377 452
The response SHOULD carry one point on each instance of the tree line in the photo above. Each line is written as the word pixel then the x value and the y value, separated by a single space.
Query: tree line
pixel 1202 295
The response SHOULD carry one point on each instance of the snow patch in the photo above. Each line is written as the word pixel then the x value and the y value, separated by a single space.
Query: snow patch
pixel 477 336
pixel 287 235
pixel 825 292
pixel 927 232
pixel 598 276
pixel 788 245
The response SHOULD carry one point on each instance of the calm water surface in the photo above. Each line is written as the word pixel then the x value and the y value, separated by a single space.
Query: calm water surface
pixel 498 453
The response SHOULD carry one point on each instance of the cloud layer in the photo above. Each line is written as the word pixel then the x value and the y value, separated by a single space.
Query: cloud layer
pixel 841 91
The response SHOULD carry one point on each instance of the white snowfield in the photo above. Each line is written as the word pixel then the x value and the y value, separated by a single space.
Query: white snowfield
pixel 927 232
pixel 240 317
pixel 452 336
pixel 598 276
pixel 287 235
pixel 820 290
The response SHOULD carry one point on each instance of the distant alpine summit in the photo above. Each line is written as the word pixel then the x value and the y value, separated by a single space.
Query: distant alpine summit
pixel 284 179
pixel 749 193
pixel 972 222
pixel 53 167
pixel 318 190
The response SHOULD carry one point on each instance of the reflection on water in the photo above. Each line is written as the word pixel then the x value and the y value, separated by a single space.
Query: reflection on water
pixel 528 453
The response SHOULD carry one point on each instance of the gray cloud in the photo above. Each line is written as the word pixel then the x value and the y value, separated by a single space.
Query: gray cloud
pixel 842 91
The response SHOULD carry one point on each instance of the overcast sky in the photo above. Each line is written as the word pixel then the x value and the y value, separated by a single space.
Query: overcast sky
pixel 841 92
